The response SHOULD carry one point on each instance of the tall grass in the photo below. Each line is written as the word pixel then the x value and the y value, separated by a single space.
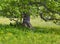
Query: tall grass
pixel 44 33
pixel 22 35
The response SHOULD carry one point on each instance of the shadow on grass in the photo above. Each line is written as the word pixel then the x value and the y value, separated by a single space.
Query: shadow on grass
pixel 47 30
pixel 35 29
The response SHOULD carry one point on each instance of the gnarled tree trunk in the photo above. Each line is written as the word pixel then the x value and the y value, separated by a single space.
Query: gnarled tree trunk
pixel 26 20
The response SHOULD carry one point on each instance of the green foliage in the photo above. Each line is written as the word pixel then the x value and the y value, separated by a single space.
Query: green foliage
pixel 14 8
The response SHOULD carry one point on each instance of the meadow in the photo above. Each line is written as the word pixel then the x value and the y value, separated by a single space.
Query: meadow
pixel 44 33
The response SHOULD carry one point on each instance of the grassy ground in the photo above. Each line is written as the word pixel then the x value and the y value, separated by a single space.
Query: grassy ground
pixel 45 33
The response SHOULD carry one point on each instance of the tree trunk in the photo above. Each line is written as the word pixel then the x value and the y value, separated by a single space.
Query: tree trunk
pixel 26 20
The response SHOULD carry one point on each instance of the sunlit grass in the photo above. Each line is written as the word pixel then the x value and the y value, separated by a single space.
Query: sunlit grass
pixel 4 20
pixel 42 24
pixel 13 35
pixel 45 33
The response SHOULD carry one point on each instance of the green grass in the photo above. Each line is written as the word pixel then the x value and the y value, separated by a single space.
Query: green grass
pixel 44 33
pixel 22 35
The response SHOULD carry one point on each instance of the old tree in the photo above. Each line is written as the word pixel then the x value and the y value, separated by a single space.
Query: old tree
pixel 46 9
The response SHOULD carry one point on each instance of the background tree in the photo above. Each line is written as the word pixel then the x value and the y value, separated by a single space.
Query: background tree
pixel 47 9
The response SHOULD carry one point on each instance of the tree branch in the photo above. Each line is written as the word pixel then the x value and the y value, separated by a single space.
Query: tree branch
pixel 43 4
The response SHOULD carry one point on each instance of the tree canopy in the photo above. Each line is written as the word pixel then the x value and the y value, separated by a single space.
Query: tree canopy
pixel 50 9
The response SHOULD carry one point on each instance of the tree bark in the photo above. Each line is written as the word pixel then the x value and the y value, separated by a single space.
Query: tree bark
pixel 26 20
